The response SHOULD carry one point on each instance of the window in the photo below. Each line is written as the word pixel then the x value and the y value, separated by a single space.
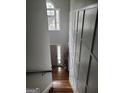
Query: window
pixel 53 17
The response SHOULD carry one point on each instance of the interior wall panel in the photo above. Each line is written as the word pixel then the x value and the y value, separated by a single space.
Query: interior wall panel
pixel 78 36
pixel 93 77
pixel 83 68
pixel 88 32
pixel 80 45
pixel 71 49
pixel 75 41
pixel 89 26
pixel 95 46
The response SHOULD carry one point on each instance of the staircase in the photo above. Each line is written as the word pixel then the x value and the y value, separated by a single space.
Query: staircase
pixel 64 90
pixel 60 90
pixel 60 82
pixel 62 86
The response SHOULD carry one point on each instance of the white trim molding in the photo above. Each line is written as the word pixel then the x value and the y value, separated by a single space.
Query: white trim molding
pixel 46 90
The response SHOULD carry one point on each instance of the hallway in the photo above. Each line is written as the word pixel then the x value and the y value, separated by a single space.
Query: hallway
pixel 61 46
pixel 60 81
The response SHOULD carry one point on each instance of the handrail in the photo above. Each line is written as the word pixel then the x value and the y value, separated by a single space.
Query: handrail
pixel 34 72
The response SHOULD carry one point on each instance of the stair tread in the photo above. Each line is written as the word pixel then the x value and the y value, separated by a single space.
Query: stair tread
pixel 61 90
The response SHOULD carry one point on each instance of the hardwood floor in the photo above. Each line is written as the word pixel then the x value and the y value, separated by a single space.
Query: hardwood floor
pixel 60 73
pixel 61 81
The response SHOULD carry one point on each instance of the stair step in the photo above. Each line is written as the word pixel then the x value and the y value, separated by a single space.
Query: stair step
pixel 62 90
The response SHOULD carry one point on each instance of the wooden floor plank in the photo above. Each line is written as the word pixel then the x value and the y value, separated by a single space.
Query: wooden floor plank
pixel 61 80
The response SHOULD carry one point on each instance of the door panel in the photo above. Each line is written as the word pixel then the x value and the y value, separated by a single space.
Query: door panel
pixel 78 39
pixel 86 44
pixel 78 47
pixel 78 35
pixel 83 68
pixel 93 77
pixel 89 26
pixel 95 46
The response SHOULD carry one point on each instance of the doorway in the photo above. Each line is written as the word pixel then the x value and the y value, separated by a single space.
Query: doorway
pixel 60 73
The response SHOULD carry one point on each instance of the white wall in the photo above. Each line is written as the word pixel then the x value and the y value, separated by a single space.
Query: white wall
pixel 61 37
pixel 38 81
pixel 37 44
pixel 38 50
pixel 77 4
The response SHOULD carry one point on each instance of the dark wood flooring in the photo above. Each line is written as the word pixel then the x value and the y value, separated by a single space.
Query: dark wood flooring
pixel 60 73
pixel 61 81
